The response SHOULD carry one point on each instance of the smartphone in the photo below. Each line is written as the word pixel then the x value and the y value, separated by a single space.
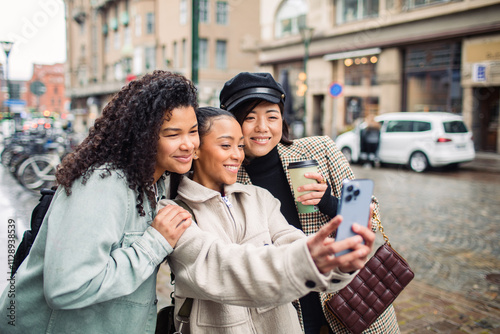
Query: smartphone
pixel 354 207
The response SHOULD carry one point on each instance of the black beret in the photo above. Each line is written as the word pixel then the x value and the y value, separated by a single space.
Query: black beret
pixel 245 86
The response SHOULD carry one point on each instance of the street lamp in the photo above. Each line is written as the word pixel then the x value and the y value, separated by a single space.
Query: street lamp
pixel 306 33
pixel 7 47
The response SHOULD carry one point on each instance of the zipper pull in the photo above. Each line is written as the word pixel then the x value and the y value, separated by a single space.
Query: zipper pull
pixel 226 200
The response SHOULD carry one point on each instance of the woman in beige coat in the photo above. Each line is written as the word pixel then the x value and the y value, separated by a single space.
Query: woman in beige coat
pixel 249 216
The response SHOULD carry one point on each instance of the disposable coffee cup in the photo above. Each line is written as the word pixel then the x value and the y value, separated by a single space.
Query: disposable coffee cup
pixel 297 171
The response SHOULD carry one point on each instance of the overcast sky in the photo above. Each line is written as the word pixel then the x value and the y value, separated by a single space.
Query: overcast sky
pixel 37 28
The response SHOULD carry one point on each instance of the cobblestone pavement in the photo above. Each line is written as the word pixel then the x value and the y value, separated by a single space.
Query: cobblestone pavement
pixel 446 224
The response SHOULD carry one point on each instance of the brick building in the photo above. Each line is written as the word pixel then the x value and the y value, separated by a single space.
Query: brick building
pixel 53 99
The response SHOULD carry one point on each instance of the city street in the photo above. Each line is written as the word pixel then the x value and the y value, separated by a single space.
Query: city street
pixel 445 223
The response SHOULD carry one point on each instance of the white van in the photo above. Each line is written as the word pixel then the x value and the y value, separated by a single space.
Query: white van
pixel 418 139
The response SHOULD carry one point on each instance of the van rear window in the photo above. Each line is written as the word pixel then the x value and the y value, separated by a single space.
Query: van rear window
pixel 454 127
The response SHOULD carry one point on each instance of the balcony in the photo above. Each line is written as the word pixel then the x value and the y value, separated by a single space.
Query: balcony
pixel 95 89
pixel 98 4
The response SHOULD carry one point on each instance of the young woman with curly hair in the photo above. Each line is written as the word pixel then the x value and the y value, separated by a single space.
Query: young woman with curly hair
pixel 93 265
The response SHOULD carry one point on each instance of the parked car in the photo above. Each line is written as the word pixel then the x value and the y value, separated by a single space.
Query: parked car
pixel 417 139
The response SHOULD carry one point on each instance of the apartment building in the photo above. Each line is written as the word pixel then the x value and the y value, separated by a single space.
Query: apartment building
pixel 379 56
pixel 110 42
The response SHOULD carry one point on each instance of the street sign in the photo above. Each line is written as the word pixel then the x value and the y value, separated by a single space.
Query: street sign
pixel 335 89
pixel 38 88
pixel 14 102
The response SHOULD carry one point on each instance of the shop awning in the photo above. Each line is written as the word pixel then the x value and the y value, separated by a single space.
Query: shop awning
pixel 352 54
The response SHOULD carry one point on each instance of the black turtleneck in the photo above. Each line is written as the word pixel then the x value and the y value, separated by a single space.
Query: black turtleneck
pixel 267 172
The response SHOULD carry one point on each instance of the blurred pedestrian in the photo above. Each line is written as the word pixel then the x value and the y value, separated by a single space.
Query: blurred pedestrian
pixel 249 215
pixel 257 101
pixel 370 140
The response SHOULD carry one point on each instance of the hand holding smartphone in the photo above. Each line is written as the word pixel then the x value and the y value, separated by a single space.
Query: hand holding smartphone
pixel 354 207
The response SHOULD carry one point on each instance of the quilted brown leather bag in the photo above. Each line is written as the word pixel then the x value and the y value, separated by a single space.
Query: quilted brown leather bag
pixel 373 289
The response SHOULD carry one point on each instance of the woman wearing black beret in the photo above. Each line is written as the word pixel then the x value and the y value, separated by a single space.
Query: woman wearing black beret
pixel 257 101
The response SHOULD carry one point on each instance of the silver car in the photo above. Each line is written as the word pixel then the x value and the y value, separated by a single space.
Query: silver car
pixel 417 139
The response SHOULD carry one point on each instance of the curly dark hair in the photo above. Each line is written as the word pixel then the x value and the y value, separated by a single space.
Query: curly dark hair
pixel 126 136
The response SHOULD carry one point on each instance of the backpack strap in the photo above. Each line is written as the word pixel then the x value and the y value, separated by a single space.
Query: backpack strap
pixel 29 235
pixel 185 310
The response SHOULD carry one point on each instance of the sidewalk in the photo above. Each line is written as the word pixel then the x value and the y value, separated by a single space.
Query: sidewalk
pixel 485 162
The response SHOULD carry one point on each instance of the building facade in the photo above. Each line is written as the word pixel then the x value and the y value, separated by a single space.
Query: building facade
pixel 379 56
pixel 46 89
pixel 111 42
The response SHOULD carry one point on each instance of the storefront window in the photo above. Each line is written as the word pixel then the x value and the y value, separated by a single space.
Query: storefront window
pixel 432 78
pixel 360 71
pixel 357 107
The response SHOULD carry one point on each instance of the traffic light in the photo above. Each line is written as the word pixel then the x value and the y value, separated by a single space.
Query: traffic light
pixel 301 84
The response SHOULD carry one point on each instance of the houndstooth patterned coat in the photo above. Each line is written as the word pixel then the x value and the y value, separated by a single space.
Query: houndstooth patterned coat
pixel 334 168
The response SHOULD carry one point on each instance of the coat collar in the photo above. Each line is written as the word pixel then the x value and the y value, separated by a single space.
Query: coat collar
pixel 195 192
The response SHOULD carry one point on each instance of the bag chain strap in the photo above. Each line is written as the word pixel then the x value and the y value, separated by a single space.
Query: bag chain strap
pixel 381 229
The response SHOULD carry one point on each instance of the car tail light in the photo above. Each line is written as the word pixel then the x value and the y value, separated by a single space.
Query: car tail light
pixel 443 140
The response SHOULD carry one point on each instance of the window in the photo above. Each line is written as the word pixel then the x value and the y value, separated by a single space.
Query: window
pixel 127 37
pixel 221 14
pixel 432 77
pixel 419 126
pixel 137 61
pixel 106 43
pixel 399 126
pixel 116 41
pixel 150 23
pixel 221 55
pixel 176 59
pixel 138 25
pixel 410 4
pixel 149 57
pixel 118 71
pixel 354 10
pixel 290 17
pixel 184 53
pixel 203 53
pixel 183 12
pixel 454 127
pixel 360 71
pixel 203 11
